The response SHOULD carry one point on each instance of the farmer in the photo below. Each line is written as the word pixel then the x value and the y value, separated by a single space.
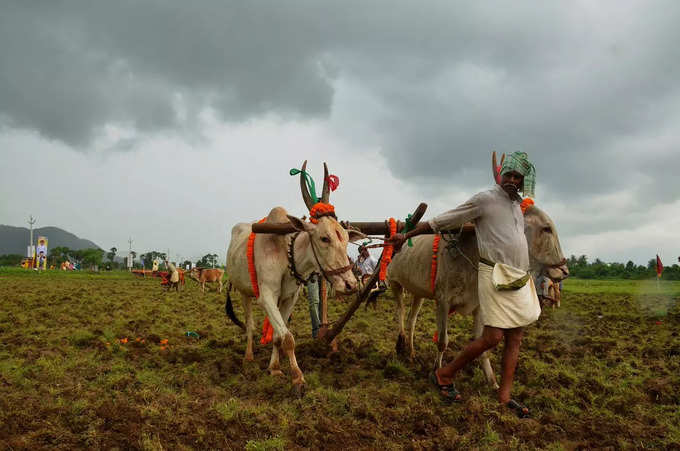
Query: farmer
pixel 173 276
pixel 504 262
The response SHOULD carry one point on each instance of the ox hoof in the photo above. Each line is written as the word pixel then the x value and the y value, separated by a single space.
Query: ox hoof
pixel 275 373
pixel 299 390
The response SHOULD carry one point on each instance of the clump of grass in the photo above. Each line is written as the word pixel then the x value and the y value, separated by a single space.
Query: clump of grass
pixel 274 443
pixel 396 369
pixel 82 338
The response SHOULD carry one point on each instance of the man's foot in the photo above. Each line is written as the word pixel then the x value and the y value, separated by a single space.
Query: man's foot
pixel 520 410
pixel 448 392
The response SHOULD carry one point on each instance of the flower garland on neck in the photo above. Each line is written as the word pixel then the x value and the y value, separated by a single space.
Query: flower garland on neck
pixel 387 251
pixel 320 210
pixel 267 329
pixel 527 203
pixel 250 254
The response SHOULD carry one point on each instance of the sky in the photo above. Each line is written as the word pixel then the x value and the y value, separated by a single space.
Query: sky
pixel 170 122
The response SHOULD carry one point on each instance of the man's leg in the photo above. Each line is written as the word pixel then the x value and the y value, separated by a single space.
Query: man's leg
pixel 491 336
pixel 313 299
pixel 513 338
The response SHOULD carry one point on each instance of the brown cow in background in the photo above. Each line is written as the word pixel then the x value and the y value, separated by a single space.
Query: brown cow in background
pixel 203 275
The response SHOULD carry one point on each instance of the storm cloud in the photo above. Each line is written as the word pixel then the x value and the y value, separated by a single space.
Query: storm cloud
pixel 589 90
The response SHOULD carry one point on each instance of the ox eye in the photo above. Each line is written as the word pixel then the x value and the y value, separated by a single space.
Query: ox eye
pixel 547 229
pixel 325 239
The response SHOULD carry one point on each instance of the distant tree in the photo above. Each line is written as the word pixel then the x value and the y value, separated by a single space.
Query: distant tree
pixel 112 254
pixel 207 261
pixel 10 259
pixel 91 257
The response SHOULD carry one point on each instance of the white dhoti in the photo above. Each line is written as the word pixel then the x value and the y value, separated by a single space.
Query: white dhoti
pixel 506 309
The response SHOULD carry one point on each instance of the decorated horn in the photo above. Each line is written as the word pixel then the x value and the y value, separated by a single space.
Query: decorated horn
pixel 303 186
pixel 325 194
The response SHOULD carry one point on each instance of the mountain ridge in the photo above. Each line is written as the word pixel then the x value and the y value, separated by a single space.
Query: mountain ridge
pixel 14 240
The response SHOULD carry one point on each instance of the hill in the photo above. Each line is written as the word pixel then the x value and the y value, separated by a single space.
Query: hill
pixel 14 240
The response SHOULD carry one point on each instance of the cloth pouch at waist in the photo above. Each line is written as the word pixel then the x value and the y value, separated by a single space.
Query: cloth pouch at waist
pixel 506 277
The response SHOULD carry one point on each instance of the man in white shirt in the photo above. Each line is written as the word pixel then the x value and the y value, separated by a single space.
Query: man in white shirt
pixel 499 225
pixel 366 263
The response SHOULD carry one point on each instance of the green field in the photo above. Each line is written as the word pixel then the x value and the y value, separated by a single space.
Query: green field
pixel 601 371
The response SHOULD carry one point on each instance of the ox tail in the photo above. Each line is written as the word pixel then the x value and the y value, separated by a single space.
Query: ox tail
pixel 229 309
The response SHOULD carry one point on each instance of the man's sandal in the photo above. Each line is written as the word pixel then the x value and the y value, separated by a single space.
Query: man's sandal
pixel 520 410
pixel 447 391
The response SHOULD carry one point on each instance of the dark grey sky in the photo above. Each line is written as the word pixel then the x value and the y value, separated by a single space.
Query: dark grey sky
pixel 171 121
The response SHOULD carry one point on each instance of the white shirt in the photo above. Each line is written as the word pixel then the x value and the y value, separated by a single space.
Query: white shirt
pixel 367 265
pixel 499 225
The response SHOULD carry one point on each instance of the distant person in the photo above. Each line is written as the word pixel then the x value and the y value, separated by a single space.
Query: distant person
pixel 366 263
pixel 173 276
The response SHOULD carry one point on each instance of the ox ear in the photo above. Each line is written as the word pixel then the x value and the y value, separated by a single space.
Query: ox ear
pixel 355 235
pixel 299 224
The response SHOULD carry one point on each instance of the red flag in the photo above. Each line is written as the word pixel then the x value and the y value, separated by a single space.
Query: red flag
pixel 659 266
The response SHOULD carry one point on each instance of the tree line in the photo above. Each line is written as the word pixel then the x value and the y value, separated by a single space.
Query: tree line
pixel 580 267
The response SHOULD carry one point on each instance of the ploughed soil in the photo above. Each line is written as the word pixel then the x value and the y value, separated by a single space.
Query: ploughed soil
pixel 84 363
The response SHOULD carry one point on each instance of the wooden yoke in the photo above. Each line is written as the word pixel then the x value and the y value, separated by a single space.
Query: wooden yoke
pixel 367 228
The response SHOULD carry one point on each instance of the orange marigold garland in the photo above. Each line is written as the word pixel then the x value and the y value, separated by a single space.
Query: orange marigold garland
pixel 433 269
pixel 320 209
pixel 250 254
pixel 387 251
pixel 526 203
pixel 267 329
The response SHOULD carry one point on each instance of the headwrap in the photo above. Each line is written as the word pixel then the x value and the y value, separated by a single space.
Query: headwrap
pixel 519 162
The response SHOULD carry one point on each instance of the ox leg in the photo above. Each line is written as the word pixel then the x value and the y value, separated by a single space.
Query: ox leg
pixel 486 364
pixel 250 327
pixel 274 365
pixel 286 310
pixel 399 294
pixel 283 338
pixel 220 282
pixel 288 344
pixel 412 317
pixel 442 331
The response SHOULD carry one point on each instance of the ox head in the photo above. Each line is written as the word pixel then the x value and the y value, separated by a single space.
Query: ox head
pixel 328 239
pixel 328 250
pixel 545 252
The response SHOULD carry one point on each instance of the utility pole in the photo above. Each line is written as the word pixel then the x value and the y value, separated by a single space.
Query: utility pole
pixel 129 262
